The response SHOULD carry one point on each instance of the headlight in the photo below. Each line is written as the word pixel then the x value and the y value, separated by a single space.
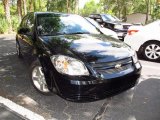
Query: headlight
pixel 68 65
pixel 118 27
pixel 135 58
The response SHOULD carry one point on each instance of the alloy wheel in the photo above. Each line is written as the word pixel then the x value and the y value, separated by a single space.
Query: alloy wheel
pixel 152 51
pixel 39 79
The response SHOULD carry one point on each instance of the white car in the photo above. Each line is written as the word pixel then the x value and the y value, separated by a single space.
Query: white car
pixel 105 31
pixel 145 40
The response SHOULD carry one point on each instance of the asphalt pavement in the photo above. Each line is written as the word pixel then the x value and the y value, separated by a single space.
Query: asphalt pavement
pixel 139 103
pixel 7 114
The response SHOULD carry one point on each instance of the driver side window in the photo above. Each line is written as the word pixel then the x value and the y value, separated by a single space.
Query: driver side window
pixel 27 24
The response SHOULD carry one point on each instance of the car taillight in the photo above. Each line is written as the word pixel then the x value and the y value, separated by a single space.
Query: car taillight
pixel 131 32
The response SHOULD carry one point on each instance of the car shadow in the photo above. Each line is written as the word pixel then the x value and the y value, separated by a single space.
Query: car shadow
pixel 140 57
pixel 140 103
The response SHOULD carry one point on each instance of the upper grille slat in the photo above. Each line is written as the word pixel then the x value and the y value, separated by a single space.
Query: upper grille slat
pixel 110 67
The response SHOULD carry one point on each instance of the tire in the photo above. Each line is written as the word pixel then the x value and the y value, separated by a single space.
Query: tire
pixel 18 50
pixel 38 79
pixel 151 51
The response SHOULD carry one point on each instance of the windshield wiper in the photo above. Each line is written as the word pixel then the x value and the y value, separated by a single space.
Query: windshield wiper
pixel 79 33
pixel 64 33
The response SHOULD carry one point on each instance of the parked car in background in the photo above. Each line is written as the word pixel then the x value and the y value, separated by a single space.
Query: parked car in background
pixel 105 31
pixel 113 23
pixel 71 58
pixel 145 40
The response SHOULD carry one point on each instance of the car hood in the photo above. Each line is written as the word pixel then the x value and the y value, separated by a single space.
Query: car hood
pixel 89 48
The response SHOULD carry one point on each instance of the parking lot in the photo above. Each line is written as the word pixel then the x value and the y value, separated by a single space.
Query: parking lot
pixel 139 103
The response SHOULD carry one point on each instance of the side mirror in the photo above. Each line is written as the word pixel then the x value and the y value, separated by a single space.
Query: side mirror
pixel 99 20
pixel 40 29
pixel 23 31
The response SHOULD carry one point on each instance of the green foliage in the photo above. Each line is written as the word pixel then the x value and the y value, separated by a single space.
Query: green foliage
pixel 91 7
pixel 61 5
pixel 13 10
pixel 1 9
pixel 57 5
pixel 156 12
pixel 15 23
pixel 3 25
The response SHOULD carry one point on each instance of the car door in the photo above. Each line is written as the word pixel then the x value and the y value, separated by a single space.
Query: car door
pixel 27 35
pixel 20 34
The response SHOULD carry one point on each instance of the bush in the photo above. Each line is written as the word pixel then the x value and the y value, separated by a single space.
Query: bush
pixel 156 13
pixel 3 25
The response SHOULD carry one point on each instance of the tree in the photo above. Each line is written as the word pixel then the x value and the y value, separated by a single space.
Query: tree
pixel 120 8
pixel 19 9
pixel 147 10
pixel 61 6
pixel 90 7
pixel 67 6
pixel 76 6
pixel 31 5
pixel 40 6
pixel 25 7
pixel 7 13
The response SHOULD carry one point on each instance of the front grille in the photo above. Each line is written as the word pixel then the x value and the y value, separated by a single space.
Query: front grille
pixel 104 90
pixel 110 67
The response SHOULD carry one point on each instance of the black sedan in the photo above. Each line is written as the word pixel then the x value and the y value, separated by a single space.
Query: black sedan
pixel 70 57
pixel 113 23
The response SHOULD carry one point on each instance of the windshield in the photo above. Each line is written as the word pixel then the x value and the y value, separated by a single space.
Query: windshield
pixel 109 18
pixel 58 24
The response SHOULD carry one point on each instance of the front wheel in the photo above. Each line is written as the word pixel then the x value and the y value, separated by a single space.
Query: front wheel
pixel 151 51
pixel 38 79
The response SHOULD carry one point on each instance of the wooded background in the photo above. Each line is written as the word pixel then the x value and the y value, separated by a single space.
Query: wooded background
pixel 12 11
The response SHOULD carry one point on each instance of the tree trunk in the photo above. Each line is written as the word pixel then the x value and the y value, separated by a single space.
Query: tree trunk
pixel 77 6
pixel 147 12
pixel 7 13
pixel 119 10
pixel 48 3
pixel 31 5
pixel 34 5
pixel 67 6
pixel 124 11
pixel 19 8
pixel 25 7
pixel 40 6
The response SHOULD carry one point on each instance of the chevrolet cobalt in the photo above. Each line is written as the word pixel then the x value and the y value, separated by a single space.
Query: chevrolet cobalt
pixel 70 57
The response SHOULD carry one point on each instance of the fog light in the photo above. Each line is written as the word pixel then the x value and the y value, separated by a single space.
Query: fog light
pixel 138 65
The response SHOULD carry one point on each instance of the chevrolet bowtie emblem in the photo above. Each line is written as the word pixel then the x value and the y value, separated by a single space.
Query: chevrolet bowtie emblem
pixel 118 66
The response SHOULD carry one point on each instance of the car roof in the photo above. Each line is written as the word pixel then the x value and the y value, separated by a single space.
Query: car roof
pixel 56 13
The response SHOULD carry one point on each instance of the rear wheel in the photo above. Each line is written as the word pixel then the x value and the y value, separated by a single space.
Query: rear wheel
pixel 38 79
pixel 151 51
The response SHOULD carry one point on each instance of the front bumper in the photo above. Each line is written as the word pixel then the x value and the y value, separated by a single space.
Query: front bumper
pixel 85 89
